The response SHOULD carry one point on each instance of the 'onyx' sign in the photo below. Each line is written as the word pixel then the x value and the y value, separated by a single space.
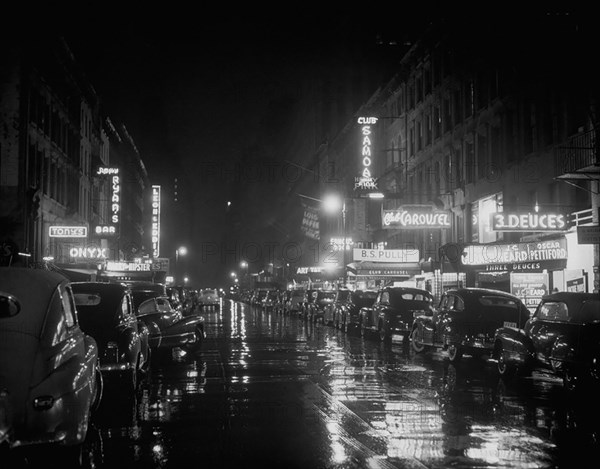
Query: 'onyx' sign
pixel 511 221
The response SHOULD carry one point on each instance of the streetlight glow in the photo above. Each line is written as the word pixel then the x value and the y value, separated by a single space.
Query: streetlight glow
pixel 332 203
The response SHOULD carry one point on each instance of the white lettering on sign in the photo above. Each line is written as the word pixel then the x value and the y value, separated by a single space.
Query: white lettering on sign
pixel 514 253
pixel 68 232
pixel 503 221
pixel 103 170
pixel 128 266
pixel 88 253
pixel 155 228
pixel 105 229
pixel 413 219
pixel 115 206
pixel 366 152
pixel 386 255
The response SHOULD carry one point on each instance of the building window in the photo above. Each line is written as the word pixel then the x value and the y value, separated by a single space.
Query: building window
pixel 419 136
pixel 427 81
pixel 456 107
pixel 419 89
pixel 469 91
pixel 428 129
pixel 447 120
pixel 482 154
pixel 437 122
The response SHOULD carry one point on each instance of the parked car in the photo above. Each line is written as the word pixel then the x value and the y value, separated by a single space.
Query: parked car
pixel 393 312
pixel 258 297
pixel 316 309
pixel 309 297
pixel 562 336
pixel 347 309
pixel 329 316
pixel 282 299
pixel 270 300
pixel 50 382
pixel 105 312
pixel 208 297
pixel 294 304
pixel 465 322
pixel 168 327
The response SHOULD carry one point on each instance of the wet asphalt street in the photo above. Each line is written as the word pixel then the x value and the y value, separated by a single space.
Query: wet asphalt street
pixel 269 390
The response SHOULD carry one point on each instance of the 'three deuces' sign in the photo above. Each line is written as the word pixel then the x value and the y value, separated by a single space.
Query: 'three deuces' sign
pixel 415 218
pixel 366 179
pixel 485 254
pixel 518 221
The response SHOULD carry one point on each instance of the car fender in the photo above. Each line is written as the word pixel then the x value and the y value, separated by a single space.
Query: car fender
pixel 516 343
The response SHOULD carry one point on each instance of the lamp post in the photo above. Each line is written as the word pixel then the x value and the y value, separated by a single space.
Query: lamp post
pixel 332 203
pixel 180 251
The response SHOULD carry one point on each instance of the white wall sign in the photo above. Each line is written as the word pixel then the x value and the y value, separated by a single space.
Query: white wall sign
pixel 68 232
pixel 386 255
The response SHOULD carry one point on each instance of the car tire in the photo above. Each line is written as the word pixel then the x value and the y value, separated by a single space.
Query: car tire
pixel 455 353
pixel 505 369
pixel 416 339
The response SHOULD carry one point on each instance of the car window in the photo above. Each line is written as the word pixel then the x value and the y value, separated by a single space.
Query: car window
pixel 497 301
pixel 9 306
pixel 553 311
pixel 590 311
pixel 385 297
pixel 87 299
pixel 68 306
pixel 125 308
pixel 455 303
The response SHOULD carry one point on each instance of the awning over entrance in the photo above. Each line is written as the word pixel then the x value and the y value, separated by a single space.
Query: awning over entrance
pixel 384 270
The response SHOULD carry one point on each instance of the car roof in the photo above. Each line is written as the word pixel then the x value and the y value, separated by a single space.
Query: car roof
pixel 34 288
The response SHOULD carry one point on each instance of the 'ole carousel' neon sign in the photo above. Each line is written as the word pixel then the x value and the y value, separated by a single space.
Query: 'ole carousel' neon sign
pixel 366 179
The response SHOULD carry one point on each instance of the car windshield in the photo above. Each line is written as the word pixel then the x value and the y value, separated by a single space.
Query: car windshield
pixel 343 295
pixel 326 295
pixel 209 292
pixel 297 293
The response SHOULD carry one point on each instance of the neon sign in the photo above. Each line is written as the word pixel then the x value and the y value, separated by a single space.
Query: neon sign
pixel 503 221
pixel 366 179
pixel 415 219
pixel 155 221
pixel 68 232
pixel 88 253
pixel 105 230
pixel 484 254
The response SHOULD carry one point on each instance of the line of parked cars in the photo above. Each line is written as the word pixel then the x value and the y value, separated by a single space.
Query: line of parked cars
pixel 62 342
pixel 561 336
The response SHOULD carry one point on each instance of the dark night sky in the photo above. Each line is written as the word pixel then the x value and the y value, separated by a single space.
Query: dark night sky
pixel 195 85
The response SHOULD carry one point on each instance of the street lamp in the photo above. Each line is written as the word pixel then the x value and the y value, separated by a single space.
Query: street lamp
pixel 180 251
pixel 332 204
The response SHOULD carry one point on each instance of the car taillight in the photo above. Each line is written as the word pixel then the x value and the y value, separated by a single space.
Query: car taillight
pixel 43 402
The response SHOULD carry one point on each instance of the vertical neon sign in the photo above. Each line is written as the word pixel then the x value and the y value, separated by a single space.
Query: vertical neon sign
pixel 155 221
pixel 366 179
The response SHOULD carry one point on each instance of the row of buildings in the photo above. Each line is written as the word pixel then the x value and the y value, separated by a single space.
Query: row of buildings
pixel 74 191
pixel 476 164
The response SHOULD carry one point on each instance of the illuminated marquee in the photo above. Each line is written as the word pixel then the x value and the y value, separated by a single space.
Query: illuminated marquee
pixel 105 230
pixel 88 253
pixel 128 266
pixel 507 221
pixel 366 179
pixel 484 254
pixel 155 221
pixel 415 219
pixel 68 232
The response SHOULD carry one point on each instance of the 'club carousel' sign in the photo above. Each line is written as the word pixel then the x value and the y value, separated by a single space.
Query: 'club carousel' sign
pixel 415 218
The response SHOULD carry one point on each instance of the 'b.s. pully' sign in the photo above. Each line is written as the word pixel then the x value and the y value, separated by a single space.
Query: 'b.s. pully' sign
pixel 366 179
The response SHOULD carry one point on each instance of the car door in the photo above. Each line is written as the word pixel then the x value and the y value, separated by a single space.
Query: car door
pixel 383 309
pixel 549 322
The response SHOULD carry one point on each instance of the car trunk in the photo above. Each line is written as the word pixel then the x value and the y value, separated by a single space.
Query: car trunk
pixel 489 318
